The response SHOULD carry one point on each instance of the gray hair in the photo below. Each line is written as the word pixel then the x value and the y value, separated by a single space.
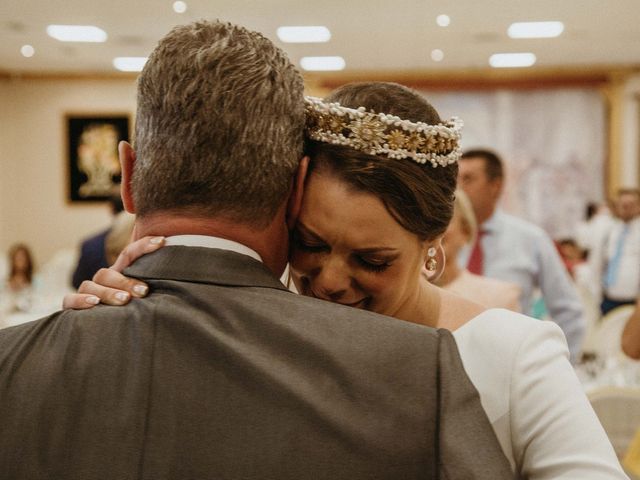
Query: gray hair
pixel 219 127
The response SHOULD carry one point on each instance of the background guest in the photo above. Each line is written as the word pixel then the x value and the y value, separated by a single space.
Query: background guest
pixel 17 293
pixel 572 255
pixel 462 231
pixel 119 236
pixel 21 268
pixel 596 223
pixel 92 250
pixel 616 261
pixel 514 250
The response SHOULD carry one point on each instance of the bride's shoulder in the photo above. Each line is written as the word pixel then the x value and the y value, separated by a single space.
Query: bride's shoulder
pixel 496 329
pixel 456 311
pixel 500 317
pixel 503 330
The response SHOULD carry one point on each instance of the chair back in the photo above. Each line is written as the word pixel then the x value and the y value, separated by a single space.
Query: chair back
pixel 618 409
pixel 607 337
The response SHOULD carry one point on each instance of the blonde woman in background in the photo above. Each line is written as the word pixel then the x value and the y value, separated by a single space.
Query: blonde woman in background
pixel 119 236
pixel 488 292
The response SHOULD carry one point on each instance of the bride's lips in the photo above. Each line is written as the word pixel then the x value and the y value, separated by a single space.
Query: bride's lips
pixel 358 304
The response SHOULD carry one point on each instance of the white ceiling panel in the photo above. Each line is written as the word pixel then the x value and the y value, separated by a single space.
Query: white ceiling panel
pixel 370 35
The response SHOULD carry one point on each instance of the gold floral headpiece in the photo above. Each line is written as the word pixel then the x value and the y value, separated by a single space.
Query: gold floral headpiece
pixel 382 134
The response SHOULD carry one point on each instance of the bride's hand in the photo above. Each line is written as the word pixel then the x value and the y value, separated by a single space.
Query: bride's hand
pixel 108 285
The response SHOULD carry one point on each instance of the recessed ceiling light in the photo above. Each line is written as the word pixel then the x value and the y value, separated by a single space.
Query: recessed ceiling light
pixel 437 55
pixel 77 33
pixel 443 20
pixel 179 6
pixel 27 51
pixel 129 64
pixel 317 34
pixel 322 64
pixel 535 29
pixel 505 60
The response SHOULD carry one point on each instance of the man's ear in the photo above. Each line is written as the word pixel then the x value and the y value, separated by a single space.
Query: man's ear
pixel 127 161
pixel 297 191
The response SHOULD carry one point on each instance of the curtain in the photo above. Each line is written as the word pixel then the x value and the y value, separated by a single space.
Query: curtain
pixel 553 144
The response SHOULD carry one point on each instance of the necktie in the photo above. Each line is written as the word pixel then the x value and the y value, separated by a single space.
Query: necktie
pixel 475 264
pixel 614 264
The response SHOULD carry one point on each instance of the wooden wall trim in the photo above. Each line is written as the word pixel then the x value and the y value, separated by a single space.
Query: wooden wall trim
pixel 480 79
pixel 68 76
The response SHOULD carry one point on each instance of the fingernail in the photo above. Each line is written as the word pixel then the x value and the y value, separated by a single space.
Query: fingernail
pixel 122 296
pixel 92 300
pixel 141 290
pixel 156 240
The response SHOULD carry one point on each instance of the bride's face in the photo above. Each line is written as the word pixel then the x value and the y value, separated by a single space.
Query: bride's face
pixel 348 249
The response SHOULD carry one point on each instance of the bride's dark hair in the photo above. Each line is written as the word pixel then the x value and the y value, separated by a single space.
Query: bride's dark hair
pixel 419 196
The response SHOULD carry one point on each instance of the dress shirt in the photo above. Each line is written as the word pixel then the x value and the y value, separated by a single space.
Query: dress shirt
pixel 625 284
pixel 519 252
pixel 211 242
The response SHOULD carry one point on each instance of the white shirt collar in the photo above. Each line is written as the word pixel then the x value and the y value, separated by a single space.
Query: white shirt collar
pixel 210 242
pixel 492 223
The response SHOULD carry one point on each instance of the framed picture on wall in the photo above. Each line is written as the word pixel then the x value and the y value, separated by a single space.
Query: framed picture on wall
pixel 638 144
pixel 92 144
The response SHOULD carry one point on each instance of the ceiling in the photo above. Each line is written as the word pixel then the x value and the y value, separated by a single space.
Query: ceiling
pixel 372 35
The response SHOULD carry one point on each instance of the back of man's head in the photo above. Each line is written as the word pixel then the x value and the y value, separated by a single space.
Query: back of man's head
pixel 219 126
pixel 492 162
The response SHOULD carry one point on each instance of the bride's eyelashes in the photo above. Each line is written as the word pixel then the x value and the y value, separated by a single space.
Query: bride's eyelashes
pixel 307 245
pixel 372 266
pixel 375 265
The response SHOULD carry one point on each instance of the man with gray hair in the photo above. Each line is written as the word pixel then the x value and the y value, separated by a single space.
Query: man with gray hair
pixel 222 372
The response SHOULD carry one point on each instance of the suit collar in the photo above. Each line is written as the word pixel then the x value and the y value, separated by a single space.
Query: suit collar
pixel 209 241
pixel 203 265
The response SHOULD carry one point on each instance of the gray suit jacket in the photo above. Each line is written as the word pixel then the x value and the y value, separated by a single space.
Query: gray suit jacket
pixel 222 373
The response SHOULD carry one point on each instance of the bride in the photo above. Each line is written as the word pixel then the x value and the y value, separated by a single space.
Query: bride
pixel 378 198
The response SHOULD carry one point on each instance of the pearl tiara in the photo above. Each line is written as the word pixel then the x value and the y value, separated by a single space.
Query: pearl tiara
pixel 382 134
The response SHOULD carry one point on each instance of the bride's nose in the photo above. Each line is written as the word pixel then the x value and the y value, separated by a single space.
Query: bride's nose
pixel 332 280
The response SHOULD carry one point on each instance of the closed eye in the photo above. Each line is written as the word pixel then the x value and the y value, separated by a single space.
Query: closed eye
pixel 376 266
pixel 308 245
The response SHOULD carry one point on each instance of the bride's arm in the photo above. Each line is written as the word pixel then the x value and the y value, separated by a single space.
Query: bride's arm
pixel 555 432
pixel 108 285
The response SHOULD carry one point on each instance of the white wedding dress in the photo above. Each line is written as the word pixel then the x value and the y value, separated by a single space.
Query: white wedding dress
pixel 537 407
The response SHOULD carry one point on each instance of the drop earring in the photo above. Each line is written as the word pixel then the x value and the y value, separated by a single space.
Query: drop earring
pixel 434 266
pixel 432 263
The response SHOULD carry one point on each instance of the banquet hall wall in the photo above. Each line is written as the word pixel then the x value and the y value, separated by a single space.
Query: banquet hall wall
pixel 33 154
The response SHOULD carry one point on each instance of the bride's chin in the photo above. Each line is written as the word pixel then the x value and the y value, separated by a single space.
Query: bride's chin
pixel 364 304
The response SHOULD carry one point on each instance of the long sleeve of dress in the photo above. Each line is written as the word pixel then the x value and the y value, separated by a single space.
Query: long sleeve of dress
pixel 536 405
pixel 556 434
